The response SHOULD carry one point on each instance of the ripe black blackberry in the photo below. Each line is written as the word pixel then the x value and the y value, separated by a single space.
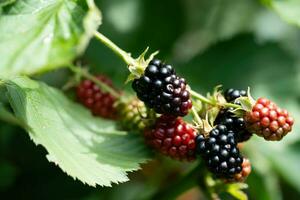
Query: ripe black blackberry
pixel 220 152
pixel 161 89
pixel 233 123
pixel 232 94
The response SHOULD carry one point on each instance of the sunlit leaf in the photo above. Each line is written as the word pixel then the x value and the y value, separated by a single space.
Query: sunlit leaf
pixel 38 36
pixel 86 148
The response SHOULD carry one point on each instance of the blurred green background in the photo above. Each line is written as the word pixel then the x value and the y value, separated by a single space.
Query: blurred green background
pixel 236 43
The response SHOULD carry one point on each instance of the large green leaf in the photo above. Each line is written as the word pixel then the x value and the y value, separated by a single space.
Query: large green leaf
pixel 86 148
pixel 289 10
pixel 37 36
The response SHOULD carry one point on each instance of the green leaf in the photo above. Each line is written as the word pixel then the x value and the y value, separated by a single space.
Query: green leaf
pixel 6 2
pixel 86 148
pixel 38 36
pixel 289 10
pixel 236 191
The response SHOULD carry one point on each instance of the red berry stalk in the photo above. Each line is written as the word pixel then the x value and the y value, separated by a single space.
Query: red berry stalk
pixel 172 137
pixel 100 103
pixel 267 120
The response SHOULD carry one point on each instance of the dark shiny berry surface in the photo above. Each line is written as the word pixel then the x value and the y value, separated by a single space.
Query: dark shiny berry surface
pixel 220 153
pixel 234 124
pixel 232 94
pixel 161 89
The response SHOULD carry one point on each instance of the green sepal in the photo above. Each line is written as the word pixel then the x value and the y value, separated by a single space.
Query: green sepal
pixel 236 190
pixel 138 67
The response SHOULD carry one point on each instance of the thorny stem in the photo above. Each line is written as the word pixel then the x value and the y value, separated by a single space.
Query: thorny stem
pixel 89 76
pixel 117 50
pixel 201 97
pixel 213 103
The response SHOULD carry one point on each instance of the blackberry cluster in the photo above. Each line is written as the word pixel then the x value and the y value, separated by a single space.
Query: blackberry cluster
pixel 220 152
pixel 99 102
pixel 173 137
pixel 161 89
pixel 232 94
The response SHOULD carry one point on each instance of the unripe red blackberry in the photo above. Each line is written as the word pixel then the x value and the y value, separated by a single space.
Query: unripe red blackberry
pixel 220 152
pixel 267 120
pixel 232 94
pixel 172 137
pixel 99 102
pixel 132 114
pixel 161 89
pixel 233 123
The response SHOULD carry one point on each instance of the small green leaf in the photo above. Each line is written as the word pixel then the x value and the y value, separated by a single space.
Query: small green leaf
pixel 38 36
pixel 236 190
pixel 289 10
pixel 86 148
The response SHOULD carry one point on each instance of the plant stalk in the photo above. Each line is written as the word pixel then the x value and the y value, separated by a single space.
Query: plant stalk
pixel 117 50
pixel 99 83
pixel 201 97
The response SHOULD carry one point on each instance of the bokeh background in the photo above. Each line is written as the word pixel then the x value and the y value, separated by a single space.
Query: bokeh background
pixel 237 43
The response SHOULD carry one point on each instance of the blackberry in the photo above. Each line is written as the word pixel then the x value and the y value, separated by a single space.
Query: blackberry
pixel 220 152
pixel 267 120
pixel 232 94
pixel 161 89
pixel 227 118
pixel 233 123
pixel 100 103
pixel 172 137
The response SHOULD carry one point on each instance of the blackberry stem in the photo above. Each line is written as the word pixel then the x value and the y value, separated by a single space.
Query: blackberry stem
pixel 117 50
pixel 231 105
pixel 196 116
pixel 89 76
pixel 201 97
